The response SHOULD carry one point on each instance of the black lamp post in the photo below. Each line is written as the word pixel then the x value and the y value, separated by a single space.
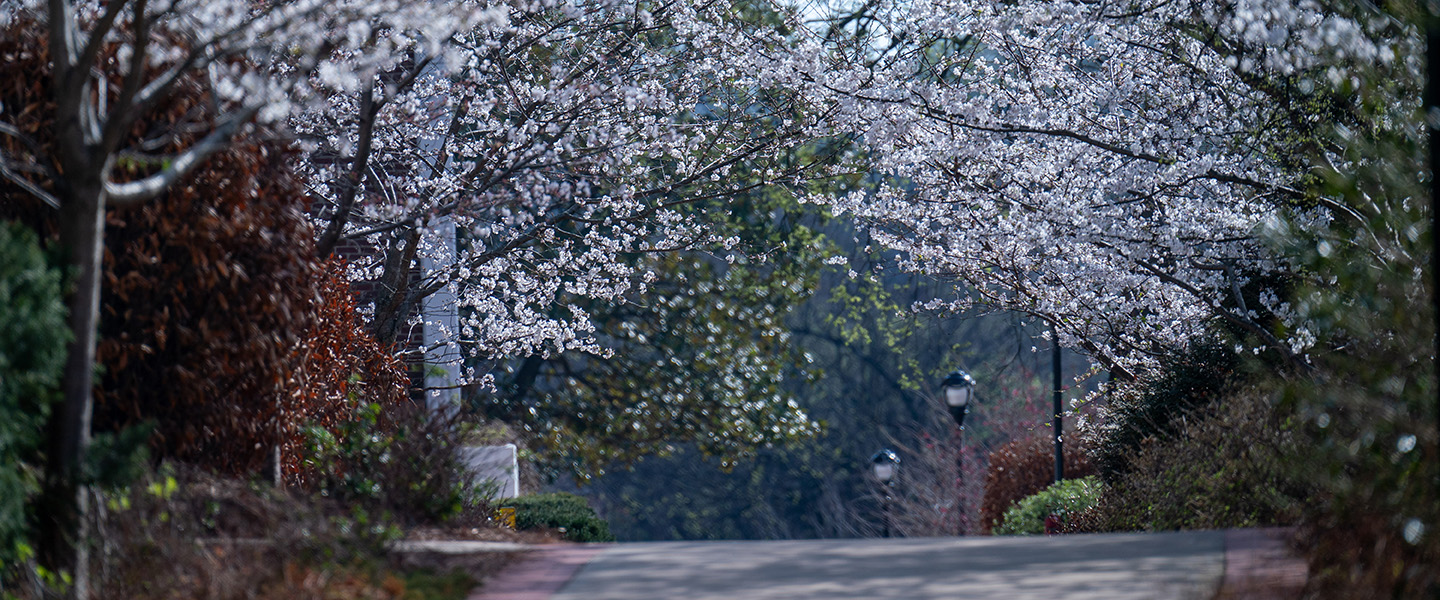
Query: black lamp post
pixel 959 391
pixel 886 465
pixel 1058 418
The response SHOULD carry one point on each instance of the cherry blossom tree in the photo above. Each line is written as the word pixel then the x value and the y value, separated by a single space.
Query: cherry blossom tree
pixel 516 172
pixel 1112 168
pixel 544 139
pixel 1141 174
pixel 112 65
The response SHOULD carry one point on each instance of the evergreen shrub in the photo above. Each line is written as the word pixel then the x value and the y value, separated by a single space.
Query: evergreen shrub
pixel 1229 465
pixel 32 357
pixel 1022 468
pixel 561 510
pixel 1157 408
pixel 1063 499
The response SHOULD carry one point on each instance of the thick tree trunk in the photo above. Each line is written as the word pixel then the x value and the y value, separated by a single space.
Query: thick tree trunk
pixel 525 377
pixel 63 544
pixel 393 299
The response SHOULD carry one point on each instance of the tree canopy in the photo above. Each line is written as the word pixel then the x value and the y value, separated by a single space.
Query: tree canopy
pixel 578 177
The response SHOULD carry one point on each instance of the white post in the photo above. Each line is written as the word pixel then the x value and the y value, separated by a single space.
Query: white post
pixel 441 320
pixel 439 313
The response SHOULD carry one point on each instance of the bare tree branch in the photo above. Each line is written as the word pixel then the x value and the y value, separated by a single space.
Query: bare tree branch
pixel 134 192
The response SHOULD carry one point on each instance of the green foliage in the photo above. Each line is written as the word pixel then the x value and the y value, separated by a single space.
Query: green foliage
pixel 33 334
pixel 424 584
pixel 1369 412
pixel 1062 500
pixel 116 459
pixel 561 511
pixel 1021 469
pixel 1224 466
pixel 702 356
pixel 1156 408
pixel 402 466
pixel 347 460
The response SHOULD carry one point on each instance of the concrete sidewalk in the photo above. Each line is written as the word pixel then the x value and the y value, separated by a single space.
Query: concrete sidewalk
pixel 1140 566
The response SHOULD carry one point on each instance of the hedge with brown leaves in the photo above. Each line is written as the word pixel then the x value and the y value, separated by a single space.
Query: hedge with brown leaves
pixel 217 323
pixel 1022 468
pixel 208 292
pixel 341 362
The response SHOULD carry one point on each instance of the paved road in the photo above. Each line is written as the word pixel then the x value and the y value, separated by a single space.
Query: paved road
pixel 1139 566
pixel 1181 566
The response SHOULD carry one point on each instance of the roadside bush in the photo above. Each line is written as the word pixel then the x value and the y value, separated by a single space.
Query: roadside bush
pixel 1022 468
pixel 32 356
pixel 399 463
pixel 1371 445
pixel 1064 499
pixel 1225 466
pixel 1157 409
pixel 339 362
pixel 181 532
pixel 561 511
pixel 207 292
pixel 1372 453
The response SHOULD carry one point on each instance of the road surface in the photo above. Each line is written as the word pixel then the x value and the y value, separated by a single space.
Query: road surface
pixel 1139 566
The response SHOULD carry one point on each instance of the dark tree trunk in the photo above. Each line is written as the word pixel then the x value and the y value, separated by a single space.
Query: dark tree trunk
pixel 525 378
pixel 393 297
pixel 63 544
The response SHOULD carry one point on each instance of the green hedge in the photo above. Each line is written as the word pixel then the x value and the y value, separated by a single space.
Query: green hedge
pixel 561 511
pixel 1157 409
pixel 32 355
pixel 1062 499
pixel 1232 464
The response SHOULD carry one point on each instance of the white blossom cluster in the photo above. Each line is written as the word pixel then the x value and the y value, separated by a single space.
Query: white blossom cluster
pixel 556 144
pixel 255 59
pixel 1108 166
pixel 558 137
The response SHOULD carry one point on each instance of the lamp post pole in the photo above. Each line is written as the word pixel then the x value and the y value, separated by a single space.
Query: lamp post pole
pixel 959 391
pixel 1059 422
pixel 885 464
pixel 886 510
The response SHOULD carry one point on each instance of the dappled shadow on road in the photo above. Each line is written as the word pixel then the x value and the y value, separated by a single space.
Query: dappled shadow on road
pixel 1148 566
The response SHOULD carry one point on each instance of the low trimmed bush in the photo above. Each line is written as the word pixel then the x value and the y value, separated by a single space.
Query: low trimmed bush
pixel 1022 468
pixel 561 511
pixel 1064 499
pixel 182 532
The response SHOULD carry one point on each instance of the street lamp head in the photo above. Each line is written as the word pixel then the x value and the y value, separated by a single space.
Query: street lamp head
pixel 885 463
pixel 959 389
